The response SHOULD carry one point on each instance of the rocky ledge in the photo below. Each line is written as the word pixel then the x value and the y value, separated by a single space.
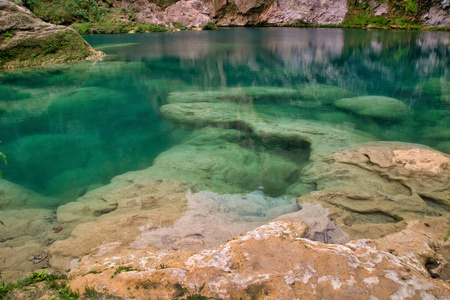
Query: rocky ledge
pixel 273 261
pixel 25 40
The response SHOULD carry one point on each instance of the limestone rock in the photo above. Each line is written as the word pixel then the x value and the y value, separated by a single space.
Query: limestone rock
pixel 438 16
pixel 116 213
pixel 148 13
pixel 372 189
pixel 374 106
pixel 307 12
pixel 277 12
pixel 25 239
pixel 189 13
pixel 26 40
pixel 424 240
pixel 323 137
pixel 272 261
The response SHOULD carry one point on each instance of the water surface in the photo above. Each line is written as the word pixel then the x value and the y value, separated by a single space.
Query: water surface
pixel 68 129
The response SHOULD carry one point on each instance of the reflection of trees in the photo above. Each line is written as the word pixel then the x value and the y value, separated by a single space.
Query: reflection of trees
pixel 365 61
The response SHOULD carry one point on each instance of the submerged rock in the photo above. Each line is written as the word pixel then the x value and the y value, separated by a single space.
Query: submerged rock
pixel 323 138
pixel 25 239
pixel 26 40
pixel 14 196
pixel 375 107
pixel 321 94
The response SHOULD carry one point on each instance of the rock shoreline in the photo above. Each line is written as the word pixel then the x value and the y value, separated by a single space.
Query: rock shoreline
pixel 27 41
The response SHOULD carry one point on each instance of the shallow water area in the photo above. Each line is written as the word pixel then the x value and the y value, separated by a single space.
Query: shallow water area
pixel 241 112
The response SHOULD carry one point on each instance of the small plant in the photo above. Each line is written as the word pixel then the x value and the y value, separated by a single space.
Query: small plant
pixel 122 269
pixel 197 296
pixel 8 34
pixel 447 235
pixel 51 281
pixel 162 266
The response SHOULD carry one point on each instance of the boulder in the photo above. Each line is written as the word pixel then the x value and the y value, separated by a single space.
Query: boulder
pixel 375 106
pixel 26 40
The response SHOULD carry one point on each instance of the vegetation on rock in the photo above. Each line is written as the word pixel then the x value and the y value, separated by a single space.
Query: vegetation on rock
pixel 112 16
pixel 41 285
pixel 28 41
pixel 396 14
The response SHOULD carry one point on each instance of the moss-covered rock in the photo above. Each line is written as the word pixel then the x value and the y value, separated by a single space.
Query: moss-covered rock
pixel 25 40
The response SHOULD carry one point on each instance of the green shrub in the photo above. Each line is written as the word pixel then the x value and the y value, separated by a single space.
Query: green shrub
pixel 209 26
pixel 179 26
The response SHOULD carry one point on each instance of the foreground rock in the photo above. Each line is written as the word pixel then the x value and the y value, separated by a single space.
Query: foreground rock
pixel 272 261
pixel 25 40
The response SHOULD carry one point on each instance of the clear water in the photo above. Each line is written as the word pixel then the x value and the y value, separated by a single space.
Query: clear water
pixel 71 128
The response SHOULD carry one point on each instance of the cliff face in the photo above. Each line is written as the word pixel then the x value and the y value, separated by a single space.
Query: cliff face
pixel 25 40
pixel 120 16
pixel 280 12
pixel 360 13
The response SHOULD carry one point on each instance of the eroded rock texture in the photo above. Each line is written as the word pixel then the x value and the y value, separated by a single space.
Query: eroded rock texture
pixel 372 189
pixel 272 261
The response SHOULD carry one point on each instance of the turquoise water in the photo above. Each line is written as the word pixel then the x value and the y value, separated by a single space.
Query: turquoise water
pixel 68 129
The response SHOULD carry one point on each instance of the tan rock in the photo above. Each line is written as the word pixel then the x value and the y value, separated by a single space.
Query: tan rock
pixel 372 189
pixel 272 261
pixel 422 160
pixel 147 204
pixel 25 239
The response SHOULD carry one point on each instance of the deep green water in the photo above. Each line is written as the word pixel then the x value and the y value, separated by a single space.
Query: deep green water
pixel 70 128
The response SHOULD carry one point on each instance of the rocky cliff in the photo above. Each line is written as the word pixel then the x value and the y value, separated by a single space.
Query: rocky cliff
pixel 119 16
pixel 25 40
pixel 359 13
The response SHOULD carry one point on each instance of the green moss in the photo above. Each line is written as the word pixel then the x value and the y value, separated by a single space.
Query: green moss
pixel 8 34
pixel 57 47
pixel 402 14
